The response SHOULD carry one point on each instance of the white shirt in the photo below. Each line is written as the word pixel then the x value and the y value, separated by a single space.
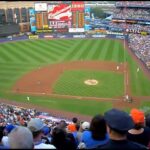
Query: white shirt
pixel 44 146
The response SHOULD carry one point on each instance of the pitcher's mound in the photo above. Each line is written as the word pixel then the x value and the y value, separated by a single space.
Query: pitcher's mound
pixel 91 82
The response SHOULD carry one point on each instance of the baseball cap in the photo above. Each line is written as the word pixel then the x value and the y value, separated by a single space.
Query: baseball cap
pixel 118 120
pixel 9 128
pixel 35 124
pixel 46 130
pixel 85 125
pixel 137 115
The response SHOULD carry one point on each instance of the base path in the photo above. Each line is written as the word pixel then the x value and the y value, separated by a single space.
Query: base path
pixel 40 82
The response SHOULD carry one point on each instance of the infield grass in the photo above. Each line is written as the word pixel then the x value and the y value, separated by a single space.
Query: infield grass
pixel 18 58
pixel 72 83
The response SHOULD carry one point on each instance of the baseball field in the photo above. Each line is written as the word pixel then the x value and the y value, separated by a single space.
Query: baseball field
pixel 80 76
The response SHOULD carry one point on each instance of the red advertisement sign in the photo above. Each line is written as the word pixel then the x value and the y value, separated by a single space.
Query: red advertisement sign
pixel 77 6
pixel 59 15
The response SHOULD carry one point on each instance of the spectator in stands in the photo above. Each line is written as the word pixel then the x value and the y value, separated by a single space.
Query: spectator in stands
pixel 60 139
pixel 21 138
pixel 46 138
pixel 36 125
pixel 83 127
pixel 118 123
pixel 72 126
pixel 147 120
pixel 7 131
pixel 97 134
pixel 1 136
pixel 63 125
pixel 139 133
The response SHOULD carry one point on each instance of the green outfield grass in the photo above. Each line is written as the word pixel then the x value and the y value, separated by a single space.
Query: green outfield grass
pixel 18 58
pixel 72 83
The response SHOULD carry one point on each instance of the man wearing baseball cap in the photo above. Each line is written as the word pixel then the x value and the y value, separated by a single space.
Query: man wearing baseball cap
pixel 118 123
pixel 139 133
pixel 36 126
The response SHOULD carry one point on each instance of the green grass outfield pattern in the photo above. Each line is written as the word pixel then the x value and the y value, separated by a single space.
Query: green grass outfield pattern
pixel 18 58
pixel 89 107
pixel 72 83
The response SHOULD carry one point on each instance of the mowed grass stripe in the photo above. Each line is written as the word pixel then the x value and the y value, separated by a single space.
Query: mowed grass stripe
pixel 16 50
pixel 56 47
pixel 48 49
pixel 84 49
pixel 73 50
pixel 87 49
pixel 133 79
pixel 143 82
pixel 63 43
pixel 7 54
pixel 14 66
pixel 98 50
pixel 27 52
pixel 93 49
pixel 52 45
pixel 40 53
pixel 122 53
pixel 76 56
pixel 105 48
pixel 31 48
pixel 108 55
pixel 115 52
pixel 4 56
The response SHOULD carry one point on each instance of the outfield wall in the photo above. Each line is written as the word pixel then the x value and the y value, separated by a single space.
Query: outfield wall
pixel 53 36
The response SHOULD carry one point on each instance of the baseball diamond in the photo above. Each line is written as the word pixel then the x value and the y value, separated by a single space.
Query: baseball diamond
pixel 52 73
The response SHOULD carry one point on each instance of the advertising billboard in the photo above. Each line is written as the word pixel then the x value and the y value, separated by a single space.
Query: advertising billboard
pixel 77 6
pixel 33 37
pixel 40 6
pixel 74 30
pixel 32 20
pixel 59 15
pixel 77 9
pixel 87 18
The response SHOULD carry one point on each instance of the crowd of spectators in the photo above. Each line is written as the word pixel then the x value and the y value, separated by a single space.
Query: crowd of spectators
pixel 133 3
pixel 115 129
pixel 136 27
pixel 140 45
pixel 132 13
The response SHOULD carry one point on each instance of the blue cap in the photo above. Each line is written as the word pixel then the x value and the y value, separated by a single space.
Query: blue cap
pixel 118 120
pixel 9 128
pixel 46 130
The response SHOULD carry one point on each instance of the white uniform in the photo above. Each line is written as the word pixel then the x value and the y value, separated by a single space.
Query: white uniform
pixel 117 67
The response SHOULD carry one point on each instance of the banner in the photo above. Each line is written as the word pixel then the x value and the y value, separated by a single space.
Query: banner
pixel 76 30
pixel 45 31
pixel 48 36
pixel 59 15
pixel 98 36
pixel 87 18
pixel 31 37
pixel 40 6
pixel 32 20
pixel 79 36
